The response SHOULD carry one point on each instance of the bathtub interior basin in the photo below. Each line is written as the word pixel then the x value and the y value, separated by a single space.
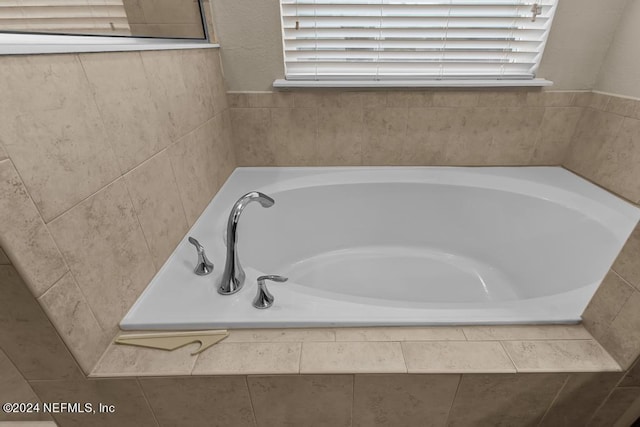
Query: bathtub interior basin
pixel 398 246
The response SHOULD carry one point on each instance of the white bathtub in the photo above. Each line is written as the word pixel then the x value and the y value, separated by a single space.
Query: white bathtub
pixel 398 246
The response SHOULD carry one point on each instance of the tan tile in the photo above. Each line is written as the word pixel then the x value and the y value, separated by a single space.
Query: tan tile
pixel 123 360
pixel 440 333
pixel 615 406
pixel 188 402
pixel 403 400
pixel 15 389
pixel 503 400
pixel 4 259
pixel 456 357
pixel 374 99
pixel 68 310
pixel 103 243
pixel 351 100
pixel 551 98
pixel 621 106
pixel 269 99
pixel 223 147
pixel 24 235
pixel 455 99
pixel 594 129
pixel 238 99
pixel 599 101
pixel 217 83
pixel 302 400
pixel 131 408
pixel 251 128
pixel 174 95
pixel 616 162
pixel 351 357
pixel 399 99
pixel 627 264
pixel 27 336
pixel 511 98
pixel 579 399
pixel 557 129
pixel 525 332
pixel 622 338
pixel 53 131
pixel 632 376
pixel 293 135
pixel 559 123
pixel 194 166
pixel 515 134
pixel 3 152
pixel 428 132
pixel 156 200
pixel 306 99
pixel 339 139
pixel 559 356
pixel 135 127
pixel 582 99
pixel 470 136
pixel 605 304
pixel 239 358
pixel 384 130
pixel 280 335
pixel 201 71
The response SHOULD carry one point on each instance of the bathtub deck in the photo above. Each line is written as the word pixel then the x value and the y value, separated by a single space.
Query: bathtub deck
pixel 402 350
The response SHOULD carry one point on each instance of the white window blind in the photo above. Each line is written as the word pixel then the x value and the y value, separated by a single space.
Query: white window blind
pixel 414 39
pixel 107 17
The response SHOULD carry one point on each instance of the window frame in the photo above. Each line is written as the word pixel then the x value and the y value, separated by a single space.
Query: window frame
pixel 25 43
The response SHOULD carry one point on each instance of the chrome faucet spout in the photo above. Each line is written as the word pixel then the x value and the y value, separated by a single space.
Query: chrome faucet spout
pixel 233 275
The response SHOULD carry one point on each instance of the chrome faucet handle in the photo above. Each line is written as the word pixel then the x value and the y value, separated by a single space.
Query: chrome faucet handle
pixel 263 298
pixel 204 266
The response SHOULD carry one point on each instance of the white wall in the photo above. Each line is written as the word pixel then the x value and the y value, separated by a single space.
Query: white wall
pixel 250 36
pixel 620 72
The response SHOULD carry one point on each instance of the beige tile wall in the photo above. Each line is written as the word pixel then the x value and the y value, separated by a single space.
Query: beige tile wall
pixel 109 159
pixel 571 400
pixel 402 128
pixel 606 150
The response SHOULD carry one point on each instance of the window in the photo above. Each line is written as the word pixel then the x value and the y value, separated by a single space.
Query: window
pixel 56 26
pixel 369 40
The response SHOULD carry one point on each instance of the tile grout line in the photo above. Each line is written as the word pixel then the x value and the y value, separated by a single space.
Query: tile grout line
pixel 300 358
pixel 146 399
pixel 353 396
pixel 66 264
pixel 144 235
pixel 555 398
pixel 509 356
pixel 404 359
pixel 455 395
pixel 624 280
pixel 253 409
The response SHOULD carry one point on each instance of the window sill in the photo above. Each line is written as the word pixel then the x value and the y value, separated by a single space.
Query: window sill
pixel 30 44
pixel 284 84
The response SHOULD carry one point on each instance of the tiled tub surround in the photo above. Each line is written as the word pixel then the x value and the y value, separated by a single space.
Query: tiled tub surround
pixel 455 376
pixel 606 150
pixel 402 128
pixel 105 162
